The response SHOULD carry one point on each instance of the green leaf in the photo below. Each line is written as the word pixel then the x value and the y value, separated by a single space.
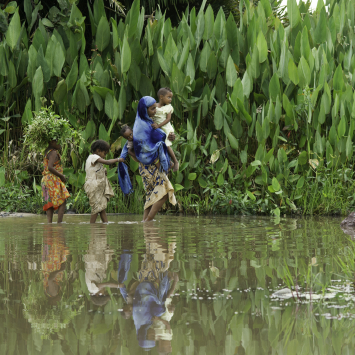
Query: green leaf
pixel 12 75
pixel 231 73
pixel 233 141
pixel 342 127
pixel 125 56
pixel 102 34
pixel 305 47
pixel 320 33
pixel 73 74
pixel 302 158
pixel 192 176
pixel 103 133
pixel 304 73
pixel 293 72
pixel 202 182
pixel 274 87
pixel 111 107
pixel 121 103
pixel 244 112
pixel 177 79
pixel 41 62
pixel 293 13
pixel 47 23
pixel 275 184
pixel 220 180
pixel 134 75
pixel 338 79
pixel 218 117
pixel 13 31
pixel 60 93
pixel 212 66
pixel 37 87
pixel 58 60
pixel 178 187
pixel 300 182
pixel 262 47
pixel 205 54
pixel 251 196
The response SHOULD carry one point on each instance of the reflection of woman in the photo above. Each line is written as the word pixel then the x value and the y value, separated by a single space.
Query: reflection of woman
pixel 151 152
pixel 151 301
pixel 54 256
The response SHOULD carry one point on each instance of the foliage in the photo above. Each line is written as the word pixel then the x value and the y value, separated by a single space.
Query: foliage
pixel 269 98
pixel 46 126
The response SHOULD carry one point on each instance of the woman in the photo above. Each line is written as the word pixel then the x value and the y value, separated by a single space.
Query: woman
pixel 154 161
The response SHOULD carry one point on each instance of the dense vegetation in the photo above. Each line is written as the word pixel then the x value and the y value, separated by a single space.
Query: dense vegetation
pixel 264 106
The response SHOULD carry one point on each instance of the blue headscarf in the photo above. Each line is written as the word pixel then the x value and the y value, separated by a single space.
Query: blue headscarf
pixel 149 144
pixel 123 175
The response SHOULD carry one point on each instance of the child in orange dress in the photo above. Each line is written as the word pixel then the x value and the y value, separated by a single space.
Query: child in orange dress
pixel 53 183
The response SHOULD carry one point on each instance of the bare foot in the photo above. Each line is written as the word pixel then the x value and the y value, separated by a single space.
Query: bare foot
pixel 176 166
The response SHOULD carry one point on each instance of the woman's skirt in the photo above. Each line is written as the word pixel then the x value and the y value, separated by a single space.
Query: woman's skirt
pixel 156 185
pixel 54 192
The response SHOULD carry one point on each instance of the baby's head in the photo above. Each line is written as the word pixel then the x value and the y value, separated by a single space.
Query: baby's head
pixel 165 95
pixel 101 148
pixel 127 133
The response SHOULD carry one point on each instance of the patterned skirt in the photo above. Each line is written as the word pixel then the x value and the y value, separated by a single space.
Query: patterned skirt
pixel 54 192
pixel 156 185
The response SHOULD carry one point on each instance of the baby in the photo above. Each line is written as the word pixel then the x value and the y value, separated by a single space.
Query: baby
pixel 162 120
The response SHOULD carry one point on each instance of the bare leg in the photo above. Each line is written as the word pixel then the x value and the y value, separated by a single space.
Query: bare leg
pixel 155 208
pixel 93 218
pixel 61 211
pixel 146 212
pixel 103 216
pixel 173 158
pixel 49 213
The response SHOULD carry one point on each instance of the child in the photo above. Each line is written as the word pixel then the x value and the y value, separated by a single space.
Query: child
pixel 162 120
pixel 127 133
pixel 97 186
pixel 53 183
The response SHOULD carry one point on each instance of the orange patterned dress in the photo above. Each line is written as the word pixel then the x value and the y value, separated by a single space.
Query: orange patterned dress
pixel 54 191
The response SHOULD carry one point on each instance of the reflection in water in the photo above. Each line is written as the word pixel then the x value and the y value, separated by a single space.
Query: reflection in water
pixel 182 286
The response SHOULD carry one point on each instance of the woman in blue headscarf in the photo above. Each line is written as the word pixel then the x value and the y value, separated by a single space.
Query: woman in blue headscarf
pixel 154 161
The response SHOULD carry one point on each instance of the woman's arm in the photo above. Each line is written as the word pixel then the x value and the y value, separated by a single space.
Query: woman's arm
pixel 52 158
pixel 168 119
pixel 171 136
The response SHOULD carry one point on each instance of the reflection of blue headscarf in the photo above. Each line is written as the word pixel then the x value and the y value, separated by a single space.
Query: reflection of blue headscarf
pixel 149 144
pixel 123 268
pixel 148 302
pixel 123 176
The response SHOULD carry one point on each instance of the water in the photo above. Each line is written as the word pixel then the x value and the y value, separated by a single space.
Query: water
pixel 229 274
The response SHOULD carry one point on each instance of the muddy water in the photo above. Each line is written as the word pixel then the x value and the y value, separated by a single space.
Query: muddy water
pixel 183 285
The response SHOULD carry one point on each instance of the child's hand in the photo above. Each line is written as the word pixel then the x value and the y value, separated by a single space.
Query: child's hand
pixel 155 126
pixel 120 160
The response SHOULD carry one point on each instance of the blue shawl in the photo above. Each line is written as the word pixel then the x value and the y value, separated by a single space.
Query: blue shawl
pixel 123 175
pixel 148 143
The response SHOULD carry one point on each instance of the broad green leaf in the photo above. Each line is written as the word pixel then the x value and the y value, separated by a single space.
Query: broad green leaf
pixel 177 80
pixel 262 47
pixel 247 84
pixel 218 117
pixel 349 147
pixel 220 180
pixel 12 75
pixel 98 101
pixel 125 56
pixel 231 73
pixel 121 103
pixel 274 87
pixel 190 68
pixel 293 72
pixel 302 158
pixel 338 80
pixel 251 196
pixel 192 176
pixel 37 88
pixel 202 182
pixel 233 141
pixel 103 34
pixel 293 12
pixel 58 60
pixel 103 133
pixel 205 54
pixel 209 23
pixel 320 33
pixel 115 37
pixel 254 66
pixel 342 127
pixel 275 184
pixel 111 107
pixel 178 187
pixel 41 62
pixel 134 75
pixel 300 182
pixel 212 66
pixel 60 93
pixel 304 73
pixel 73 74
pixel 305 47
pixel 244 112
pixel 13 31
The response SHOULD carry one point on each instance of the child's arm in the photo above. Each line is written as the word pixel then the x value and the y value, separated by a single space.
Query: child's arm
pixel 108 162
pixel 52 158
pixel 133 154
pixel 168 119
